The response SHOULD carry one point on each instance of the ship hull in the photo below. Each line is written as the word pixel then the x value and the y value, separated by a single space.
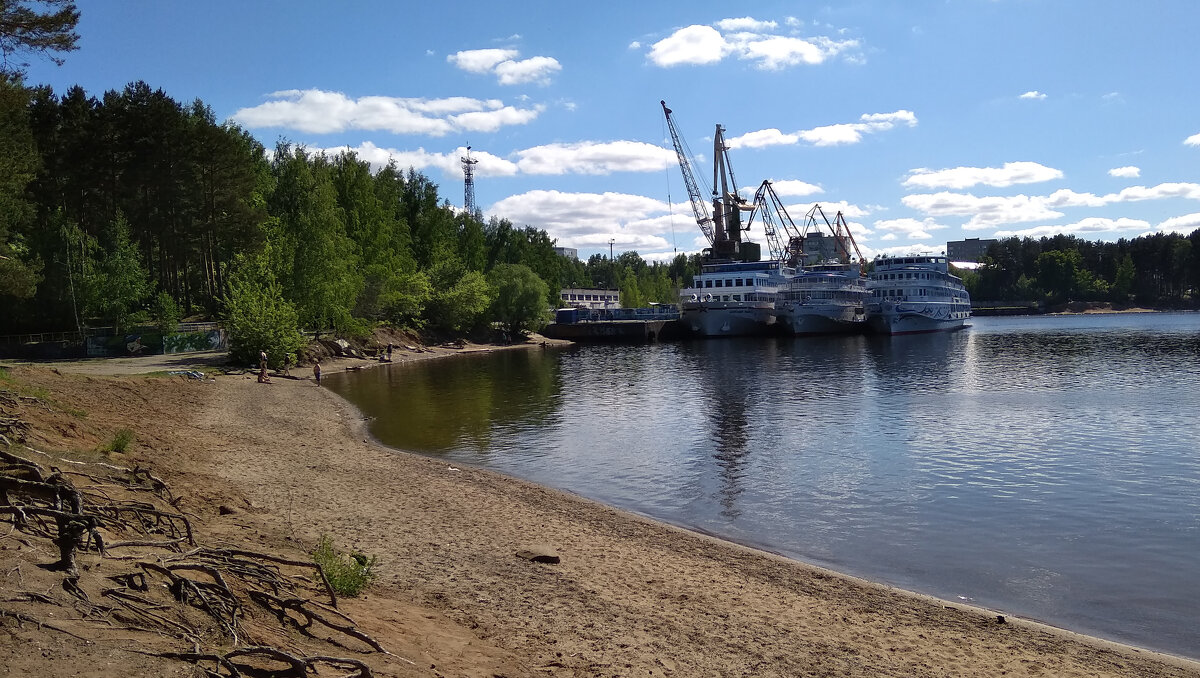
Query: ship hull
pixel 821 320
pixel 896 319
pixel 727 319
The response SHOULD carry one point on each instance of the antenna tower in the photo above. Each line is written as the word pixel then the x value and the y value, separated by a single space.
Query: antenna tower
pixel 468 166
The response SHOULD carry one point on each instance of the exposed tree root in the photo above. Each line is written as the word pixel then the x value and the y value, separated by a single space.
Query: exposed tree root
pixel 200 597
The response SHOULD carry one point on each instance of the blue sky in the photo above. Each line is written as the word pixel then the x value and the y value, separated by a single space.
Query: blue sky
pixel 922 121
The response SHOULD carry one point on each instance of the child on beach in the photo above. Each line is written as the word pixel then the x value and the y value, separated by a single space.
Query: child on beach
pixel 317 371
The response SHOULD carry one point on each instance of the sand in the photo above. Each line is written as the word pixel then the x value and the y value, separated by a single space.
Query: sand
pixel 629 596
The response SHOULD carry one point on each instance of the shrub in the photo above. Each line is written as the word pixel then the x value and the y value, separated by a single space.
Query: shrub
pixel 348 573
pixel 120 442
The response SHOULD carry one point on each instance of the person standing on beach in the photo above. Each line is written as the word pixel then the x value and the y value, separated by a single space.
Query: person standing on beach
pixel 389 352
pixel 262 368
pixel 317 370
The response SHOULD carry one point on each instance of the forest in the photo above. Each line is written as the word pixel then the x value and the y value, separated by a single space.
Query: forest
pixel 134 208
pixel 1161 270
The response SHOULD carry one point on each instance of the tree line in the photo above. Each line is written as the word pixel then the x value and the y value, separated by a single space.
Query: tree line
pixel 1158 270
pixel 133 206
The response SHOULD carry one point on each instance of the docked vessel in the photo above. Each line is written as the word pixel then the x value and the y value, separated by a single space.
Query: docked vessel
pixel 916 293
pixel 828 294
pixel 733 298
pixel 828 298
pixel 734 293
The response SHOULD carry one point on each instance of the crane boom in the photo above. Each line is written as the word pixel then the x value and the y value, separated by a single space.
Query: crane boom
pixel 699 206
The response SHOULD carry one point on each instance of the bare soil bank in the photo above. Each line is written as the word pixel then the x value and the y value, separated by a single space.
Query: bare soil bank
pixel 629 597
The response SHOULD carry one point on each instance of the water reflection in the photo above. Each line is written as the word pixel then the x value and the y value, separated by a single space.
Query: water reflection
pixel 1041 465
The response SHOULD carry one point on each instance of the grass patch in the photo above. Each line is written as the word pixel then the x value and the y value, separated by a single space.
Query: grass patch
pixel 348 573
pixel 120 441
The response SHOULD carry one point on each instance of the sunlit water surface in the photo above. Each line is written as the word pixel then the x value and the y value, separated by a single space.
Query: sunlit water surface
pixel 1043 466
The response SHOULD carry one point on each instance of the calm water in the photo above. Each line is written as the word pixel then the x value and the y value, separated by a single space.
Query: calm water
pixel 1047 467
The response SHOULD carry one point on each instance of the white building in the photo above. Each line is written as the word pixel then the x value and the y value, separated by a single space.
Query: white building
pixel 578 297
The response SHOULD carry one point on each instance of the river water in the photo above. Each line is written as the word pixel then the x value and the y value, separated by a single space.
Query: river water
pixel 1048 467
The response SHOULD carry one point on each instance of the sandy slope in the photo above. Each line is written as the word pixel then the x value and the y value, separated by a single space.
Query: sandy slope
pixel 630 596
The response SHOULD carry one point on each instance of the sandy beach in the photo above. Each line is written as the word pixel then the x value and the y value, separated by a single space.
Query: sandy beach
pixel 292 461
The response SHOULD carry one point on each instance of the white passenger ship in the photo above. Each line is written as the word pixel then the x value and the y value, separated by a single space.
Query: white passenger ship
pixel 733 298
pixel 911 294
pixel 829 293
pixel 828 298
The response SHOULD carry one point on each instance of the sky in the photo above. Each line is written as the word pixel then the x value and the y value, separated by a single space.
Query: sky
pixel 922 121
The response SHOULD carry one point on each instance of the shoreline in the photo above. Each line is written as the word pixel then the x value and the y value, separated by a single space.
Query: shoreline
pixel 359 424
pixel 632 595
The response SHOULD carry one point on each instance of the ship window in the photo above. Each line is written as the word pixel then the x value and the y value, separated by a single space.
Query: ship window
pixel 738 282
pixel 708 283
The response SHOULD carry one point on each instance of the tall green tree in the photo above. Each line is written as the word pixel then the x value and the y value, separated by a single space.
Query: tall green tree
pixel 45 27
pixel 256 315
pixel 19 269
pixel 520 299
pixel 120 282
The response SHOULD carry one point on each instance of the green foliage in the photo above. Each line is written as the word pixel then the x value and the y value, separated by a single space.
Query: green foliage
pixel 44 27
pixel 121 282
pixel 256 315
pixel 348 573
pixel 520 299
pixel 120 441
pixel 459 306
pixel 166 313
pixel 19 276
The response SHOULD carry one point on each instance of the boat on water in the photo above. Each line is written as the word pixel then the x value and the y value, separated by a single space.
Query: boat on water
pixel 826 298
pixel 916 293
pixel 734 294
pixel 729 299
pixel 828 294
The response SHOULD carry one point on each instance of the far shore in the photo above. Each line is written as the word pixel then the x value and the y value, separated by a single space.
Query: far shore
pixel 631 596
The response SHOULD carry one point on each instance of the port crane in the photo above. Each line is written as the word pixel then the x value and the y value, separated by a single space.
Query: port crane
pixel 723 228
pixel 839 229
pixel 796 246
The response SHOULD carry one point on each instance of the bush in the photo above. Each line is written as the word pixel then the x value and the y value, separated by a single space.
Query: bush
pixel 166 313
pixel 257 316
pixel 348 573
pixel 120 442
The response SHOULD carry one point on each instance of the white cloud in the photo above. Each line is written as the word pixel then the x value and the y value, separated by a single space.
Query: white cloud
pixel 849 211
pixel 1128 172
pixel 777 51
pixel 1183 225
pixel 914 249
pixel 595 158
pixel 1033 94
pixel 420 159
pixel 635 45
pixel 746 24
pixel 504 64
pixel 536 69
pixel 481 60
pixel 321 112
pixel 762 138
pixel 964 177
pixel 990 211
pixel 913 229
pixel 1193 140
pixel 1091 225
pixel 795 187
pixel 748 39
pixel 490 121
pixel 985 212
pixel 586 219
pixel 691 45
